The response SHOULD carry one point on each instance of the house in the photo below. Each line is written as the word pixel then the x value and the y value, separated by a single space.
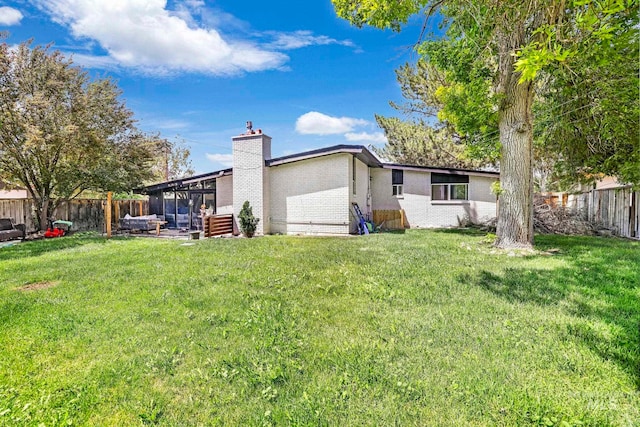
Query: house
pixel 312 192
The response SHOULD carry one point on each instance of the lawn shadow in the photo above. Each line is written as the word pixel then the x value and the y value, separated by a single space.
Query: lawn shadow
pixel 393 231
pixel 462 231
pixel 599 282
pixel 36 248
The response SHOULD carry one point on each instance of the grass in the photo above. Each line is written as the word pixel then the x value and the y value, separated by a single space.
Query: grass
pixel 422 328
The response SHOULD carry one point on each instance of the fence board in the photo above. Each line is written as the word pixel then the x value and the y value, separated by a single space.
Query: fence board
pixel 389 219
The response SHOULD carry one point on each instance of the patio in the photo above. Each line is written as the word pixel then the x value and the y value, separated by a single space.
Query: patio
pixel 166 234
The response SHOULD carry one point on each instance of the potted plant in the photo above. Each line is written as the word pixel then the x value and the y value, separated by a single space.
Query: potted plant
pixel 248 222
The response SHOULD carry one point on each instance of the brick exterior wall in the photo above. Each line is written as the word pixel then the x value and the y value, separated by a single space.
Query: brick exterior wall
pixel 311 196
pixel 224 195
pixel 250 177
pixel 421 211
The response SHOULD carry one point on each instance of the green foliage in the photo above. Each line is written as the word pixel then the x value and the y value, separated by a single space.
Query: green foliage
pixel 467 97
pixel 171 160
pixel 427 91
pixel 248 222
pixel 126 195
pixel 496 188
pixel 419 84
pixel 420 144
pixel 588 111
pixel 575 32
pixel 383 14
pixel 425 328
pixel 61 133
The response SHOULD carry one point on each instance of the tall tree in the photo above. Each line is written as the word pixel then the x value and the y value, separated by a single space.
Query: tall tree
pixel 420 139
pixel 171 161
pixel 418 143
pixel 493 53
pixel 61 133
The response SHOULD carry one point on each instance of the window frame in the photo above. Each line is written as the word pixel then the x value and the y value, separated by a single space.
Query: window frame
pixel 397 183
pixel 451 184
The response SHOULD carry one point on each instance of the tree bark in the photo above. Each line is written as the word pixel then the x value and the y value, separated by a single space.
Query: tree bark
pixel 43 214
pixel 515 209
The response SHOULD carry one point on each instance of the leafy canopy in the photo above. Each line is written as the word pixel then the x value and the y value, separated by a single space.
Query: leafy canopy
pixel 61 133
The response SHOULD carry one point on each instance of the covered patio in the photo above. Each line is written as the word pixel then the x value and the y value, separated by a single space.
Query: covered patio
pixel 180 200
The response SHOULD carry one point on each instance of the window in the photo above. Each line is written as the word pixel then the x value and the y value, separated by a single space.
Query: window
pixel 210 183
pixel 449 187
pixel 397 180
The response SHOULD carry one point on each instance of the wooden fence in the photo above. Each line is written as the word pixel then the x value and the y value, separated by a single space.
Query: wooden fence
pixel 616 209
pixel 389 219
pixel 19 210
pixel 86 214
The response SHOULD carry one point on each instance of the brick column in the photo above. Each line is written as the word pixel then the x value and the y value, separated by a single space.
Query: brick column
pixel 250 176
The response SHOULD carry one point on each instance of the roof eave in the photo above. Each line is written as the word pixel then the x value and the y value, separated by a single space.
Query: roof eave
pixel 179 182
pixel 450 171
pixel 359 151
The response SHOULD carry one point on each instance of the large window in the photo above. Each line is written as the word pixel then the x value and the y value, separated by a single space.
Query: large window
pixel 397 181
pixel 170 209
pixel 449 187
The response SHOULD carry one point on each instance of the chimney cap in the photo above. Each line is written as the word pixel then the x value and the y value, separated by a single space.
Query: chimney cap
pixel 250 130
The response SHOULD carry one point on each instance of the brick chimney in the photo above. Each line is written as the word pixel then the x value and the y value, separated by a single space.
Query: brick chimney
pixel 250 175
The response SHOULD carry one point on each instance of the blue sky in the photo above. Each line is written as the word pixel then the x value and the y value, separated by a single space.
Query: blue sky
pixel 198 70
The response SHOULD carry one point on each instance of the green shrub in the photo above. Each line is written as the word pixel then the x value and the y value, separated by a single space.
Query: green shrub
pixel 248 222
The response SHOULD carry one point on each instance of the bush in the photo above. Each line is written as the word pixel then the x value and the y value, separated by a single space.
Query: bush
pixel 248 222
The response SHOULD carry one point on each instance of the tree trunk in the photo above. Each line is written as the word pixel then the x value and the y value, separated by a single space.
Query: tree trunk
pixel 42 212
pixel 515 209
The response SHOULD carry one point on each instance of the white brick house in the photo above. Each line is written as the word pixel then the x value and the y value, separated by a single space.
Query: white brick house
pixel 313 192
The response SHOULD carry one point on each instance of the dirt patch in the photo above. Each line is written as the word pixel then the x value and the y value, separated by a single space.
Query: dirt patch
pixel 36 286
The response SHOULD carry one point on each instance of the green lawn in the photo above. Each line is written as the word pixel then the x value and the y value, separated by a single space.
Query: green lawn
pixel 414 329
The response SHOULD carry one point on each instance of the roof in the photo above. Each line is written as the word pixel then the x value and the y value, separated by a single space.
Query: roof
pixel 361 152
pixel 182 181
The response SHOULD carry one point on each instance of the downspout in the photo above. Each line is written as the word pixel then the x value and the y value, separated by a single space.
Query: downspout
pixel 369 201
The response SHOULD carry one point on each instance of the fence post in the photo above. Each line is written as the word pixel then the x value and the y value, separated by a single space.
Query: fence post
pixel 117 208
pixel 108 215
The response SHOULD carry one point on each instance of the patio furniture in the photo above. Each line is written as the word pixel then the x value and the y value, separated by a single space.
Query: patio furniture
pixel 142 223
pixel 11 231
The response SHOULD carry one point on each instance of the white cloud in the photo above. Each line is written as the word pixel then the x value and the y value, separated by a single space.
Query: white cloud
pixel 94 61
pixel 223 159
pixel 298 39
pixel 143 34
pixel 164 123
pixel 10 16
pixel 314 123
pixel 374 138
pixel 147 36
